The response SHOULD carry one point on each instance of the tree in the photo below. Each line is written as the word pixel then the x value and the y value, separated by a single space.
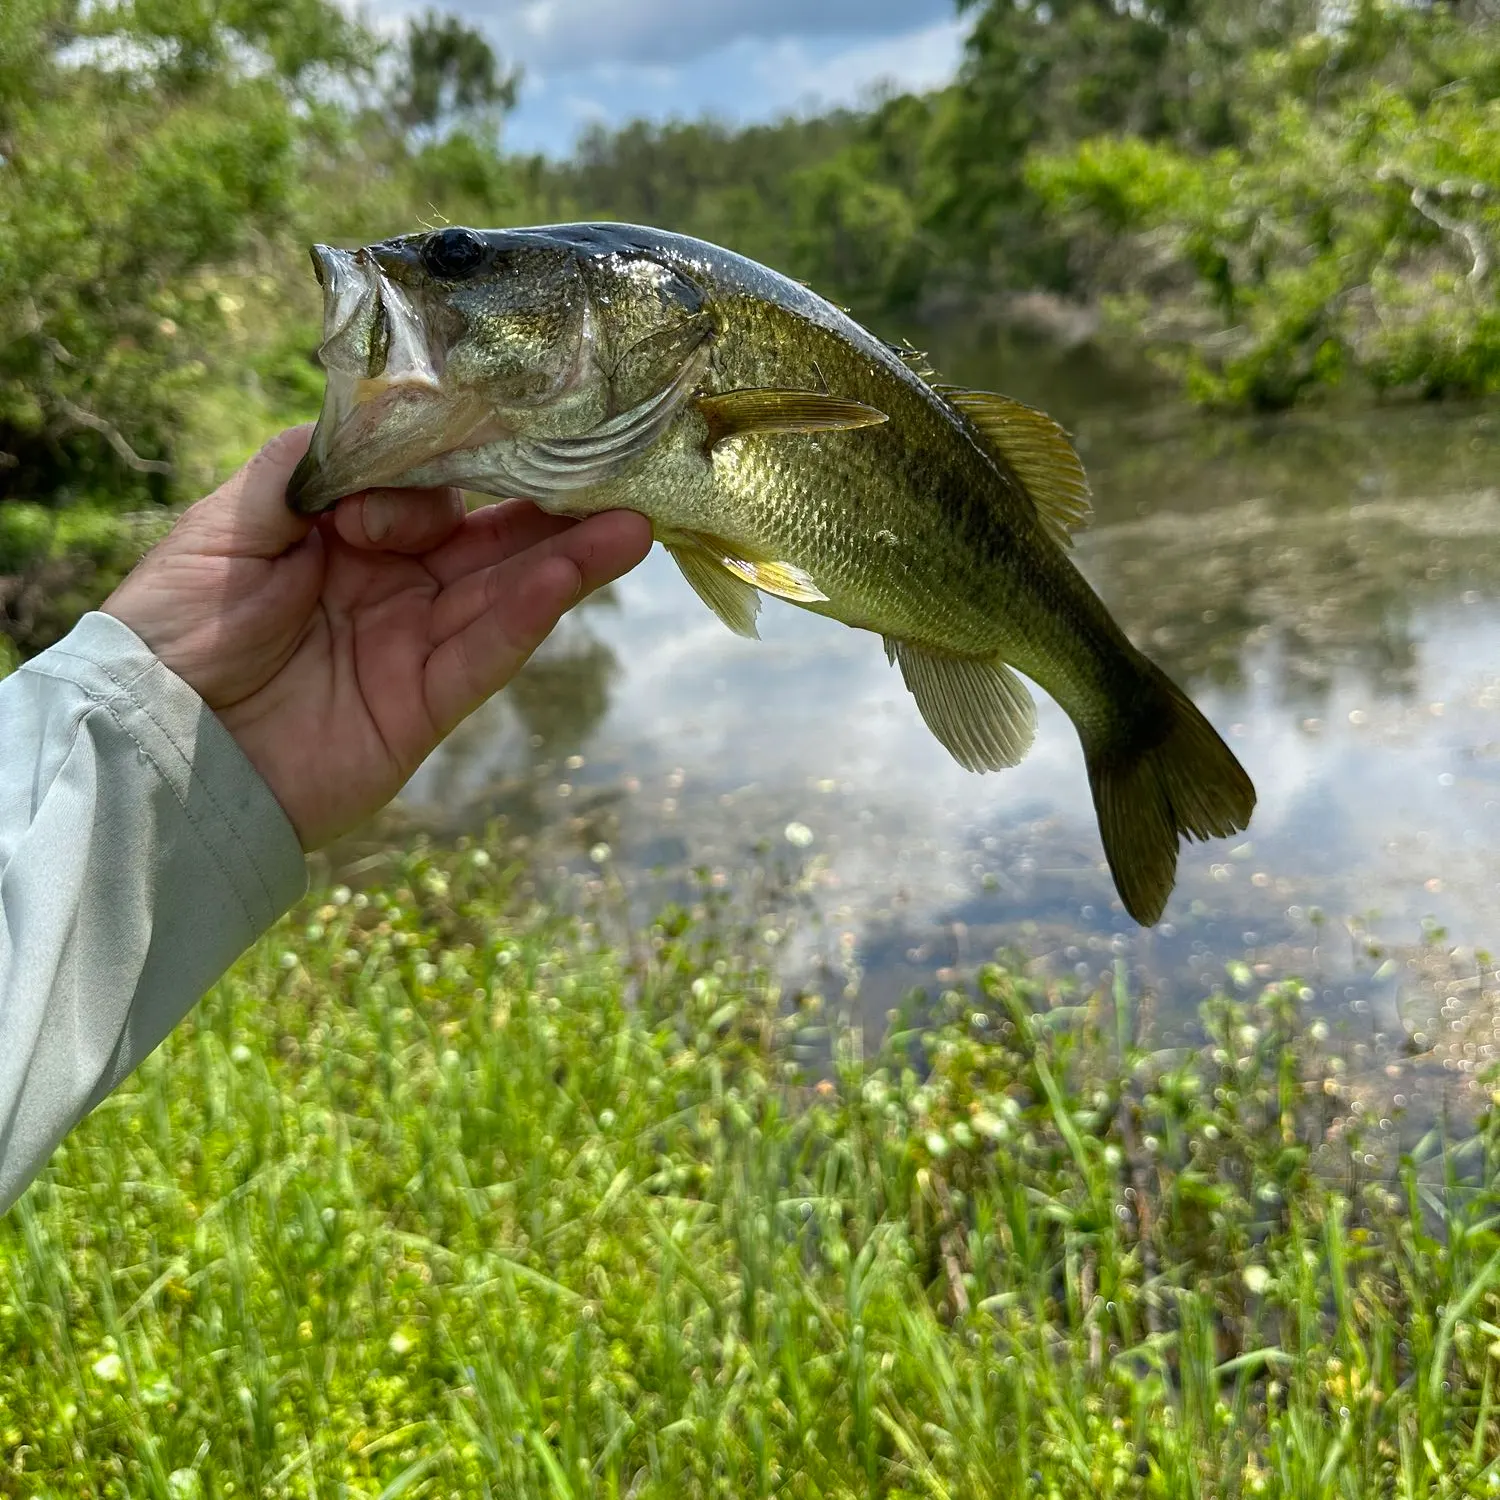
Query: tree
pixel 449 74
pixel 144 144
pixel 1348 233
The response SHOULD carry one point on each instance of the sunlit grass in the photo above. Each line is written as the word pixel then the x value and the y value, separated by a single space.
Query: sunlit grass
pixel 438 1194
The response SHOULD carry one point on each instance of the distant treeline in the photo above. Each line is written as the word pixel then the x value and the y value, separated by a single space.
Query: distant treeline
pixel 1272 197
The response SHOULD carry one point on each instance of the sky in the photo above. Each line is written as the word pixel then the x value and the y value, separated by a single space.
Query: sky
pixel 740 60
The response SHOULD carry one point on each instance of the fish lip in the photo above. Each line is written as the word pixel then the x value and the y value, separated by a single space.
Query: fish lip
pixel 346 288
pixel 303 494
pixel 344 455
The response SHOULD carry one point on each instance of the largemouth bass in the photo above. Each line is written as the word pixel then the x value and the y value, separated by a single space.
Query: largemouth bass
pixel 777 447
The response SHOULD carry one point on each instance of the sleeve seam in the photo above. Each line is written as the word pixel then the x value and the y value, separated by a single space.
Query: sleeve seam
pixel 107 705
pixel 192 770
pixel 40 668
pixel 209 845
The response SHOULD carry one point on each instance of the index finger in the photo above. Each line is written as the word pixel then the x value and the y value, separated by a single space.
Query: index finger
pixel 490 535
pixel 399 520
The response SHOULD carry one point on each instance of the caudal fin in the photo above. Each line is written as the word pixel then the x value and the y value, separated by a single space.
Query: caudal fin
pixel 1171 776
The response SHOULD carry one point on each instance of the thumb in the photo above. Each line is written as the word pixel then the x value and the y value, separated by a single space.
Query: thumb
pixel 248 515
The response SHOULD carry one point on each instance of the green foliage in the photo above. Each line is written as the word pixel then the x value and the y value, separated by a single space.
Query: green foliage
pixel 95 534
pixel 1038 78
pixel 190 44
pixel 437 1189
pixel 1348 233
pixel 25 535
pixel 162 143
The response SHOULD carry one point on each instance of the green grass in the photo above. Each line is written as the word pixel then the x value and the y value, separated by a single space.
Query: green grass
pixel 440 1194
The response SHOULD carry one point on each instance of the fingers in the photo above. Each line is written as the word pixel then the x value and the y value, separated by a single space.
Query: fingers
pixel 399 520
pixel 247 515
pixel 600 548
pixel 497 617
pixel 490 535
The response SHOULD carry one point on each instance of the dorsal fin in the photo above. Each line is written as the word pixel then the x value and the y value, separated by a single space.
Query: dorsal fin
pixel 1038 450
pixel 915 360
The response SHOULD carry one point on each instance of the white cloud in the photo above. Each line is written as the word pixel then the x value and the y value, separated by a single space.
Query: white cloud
pixel 574 34
pixel 913 61
pixel 739 60
pixel 747 80
pixel 585 111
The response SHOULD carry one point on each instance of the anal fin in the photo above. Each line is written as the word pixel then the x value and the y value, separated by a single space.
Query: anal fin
pixel 979 709
pixel 734 601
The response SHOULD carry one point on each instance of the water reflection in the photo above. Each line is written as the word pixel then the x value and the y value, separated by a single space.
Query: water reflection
pixel 495 763
pixel 1330 588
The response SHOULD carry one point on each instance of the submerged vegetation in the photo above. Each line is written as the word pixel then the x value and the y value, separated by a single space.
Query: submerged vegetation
pixel 439 1193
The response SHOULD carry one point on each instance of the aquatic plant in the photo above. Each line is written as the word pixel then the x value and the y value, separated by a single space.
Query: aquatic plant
pixel 440 1192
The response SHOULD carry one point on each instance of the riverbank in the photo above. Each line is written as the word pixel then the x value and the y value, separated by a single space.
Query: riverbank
pixel 440 1193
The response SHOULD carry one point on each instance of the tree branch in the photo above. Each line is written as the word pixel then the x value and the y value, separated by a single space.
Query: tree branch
pixel 1421 197
pixel 113 436
pixel 1471 236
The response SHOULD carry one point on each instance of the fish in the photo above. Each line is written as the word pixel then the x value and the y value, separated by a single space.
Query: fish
pixel 778 448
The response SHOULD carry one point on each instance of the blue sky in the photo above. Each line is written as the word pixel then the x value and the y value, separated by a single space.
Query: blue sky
pixel 742 60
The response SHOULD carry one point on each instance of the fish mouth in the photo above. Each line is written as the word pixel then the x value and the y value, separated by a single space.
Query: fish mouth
pixel 384 406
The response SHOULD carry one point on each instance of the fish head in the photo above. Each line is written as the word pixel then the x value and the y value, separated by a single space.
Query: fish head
pixel 447 350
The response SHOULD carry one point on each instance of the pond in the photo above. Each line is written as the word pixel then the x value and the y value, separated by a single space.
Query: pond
pixel 1328 588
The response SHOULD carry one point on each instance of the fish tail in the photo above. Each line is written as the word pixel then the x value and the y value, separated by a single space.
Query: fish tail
pixel 1164 774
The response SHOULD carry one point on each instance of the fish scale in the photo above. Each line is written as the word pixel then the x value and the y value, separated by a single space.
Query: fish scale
pixel 776 446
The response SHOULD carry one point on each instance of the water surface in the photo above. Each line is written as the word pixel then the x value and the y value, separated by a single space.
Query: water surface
pixel 1328 588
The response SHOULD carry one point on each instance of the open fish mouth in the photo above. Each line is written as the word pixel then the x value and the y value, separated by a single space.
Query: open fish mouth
pixel 422 391
pixel 384 408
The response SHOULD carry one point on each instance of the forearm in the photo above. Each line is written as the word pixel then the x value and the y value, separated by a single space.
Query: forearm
pixel 140 854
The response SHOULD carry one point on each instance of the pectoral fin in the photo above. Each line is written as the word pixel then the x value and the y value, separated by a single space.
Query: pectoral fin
pixel 733 600
pixel 736 413
pixel 979 709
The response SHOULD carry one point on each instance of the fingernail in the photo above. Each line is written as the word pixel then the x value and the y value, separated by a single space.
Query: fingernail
pixel 380 514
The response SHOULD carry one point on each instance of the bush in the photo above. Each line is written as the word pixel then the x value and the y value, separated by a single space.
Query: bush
pixel 25 535
pixel 91 534
pixel 1351 235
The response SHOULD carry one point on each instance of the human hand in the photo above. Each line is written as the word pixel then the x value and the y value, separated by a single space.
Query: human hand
pixel 339 651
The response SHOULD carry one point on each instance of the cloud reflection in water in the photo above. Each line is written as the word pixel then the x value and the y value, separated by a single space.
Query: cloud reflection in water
pixel 1317 622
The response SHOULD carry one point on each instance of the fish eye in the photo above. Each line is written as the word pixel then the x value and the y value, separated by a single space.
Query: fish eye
pixel 452 253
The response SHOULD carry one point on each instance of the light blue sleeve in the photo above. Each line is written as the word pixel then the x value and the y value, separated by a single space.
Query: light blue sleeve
pixel 140 854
